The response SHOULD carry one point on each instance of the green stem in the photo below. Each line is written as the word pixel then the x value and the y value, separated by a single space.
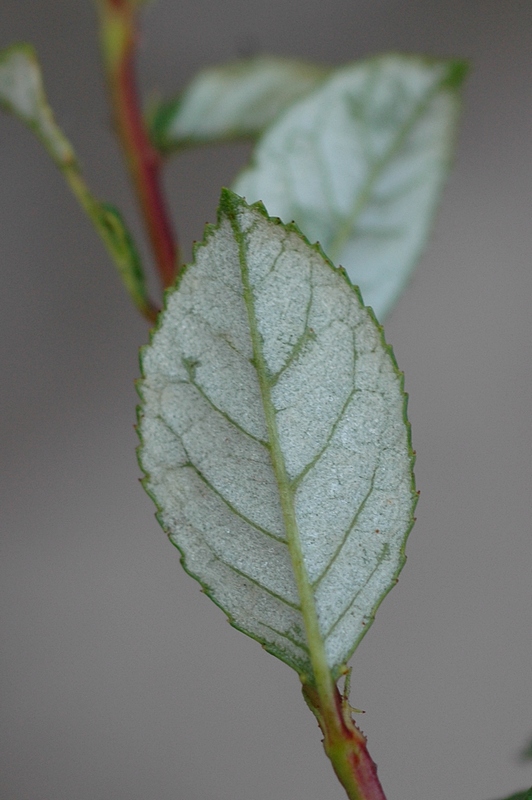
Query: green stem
pixel 118 27
pixel 124 254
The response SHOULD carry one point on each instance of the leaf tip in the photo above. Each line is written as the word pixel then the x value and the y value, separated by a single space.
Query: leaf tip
pixel 229 201
pixel 232 203
pixel 24 48
pixel 458 71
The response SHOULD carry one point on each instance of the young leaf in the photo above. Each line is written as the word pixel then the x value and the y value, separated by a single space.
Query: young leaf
pixel 526 795
pixel 359 165
pixel 22 94
pixel 274 440
pixel 232 101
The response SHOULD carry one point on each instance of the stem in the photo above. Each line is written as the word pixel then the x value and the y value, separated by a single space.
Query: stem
pixel 345 745
pixel 125 258
pixel 118 28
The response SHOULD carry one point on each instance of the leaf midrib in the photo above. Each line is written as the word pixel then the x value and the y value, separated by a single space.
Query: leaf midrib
pixel 344 232
pixel 321 672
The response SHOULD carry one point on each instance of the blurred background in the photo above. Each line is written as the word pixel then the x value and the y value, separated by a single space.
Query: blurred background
pixel 120 680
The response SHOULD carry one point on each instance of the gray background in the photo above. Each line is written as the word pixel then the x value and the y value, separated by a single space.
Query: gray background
pixel 121 681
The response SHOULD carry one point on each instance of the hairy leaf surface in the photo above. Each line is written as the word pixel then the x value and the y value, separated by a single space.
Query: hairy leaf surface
pixel 359 164
pixel 274 439
pixel 22 94
pixel 232 101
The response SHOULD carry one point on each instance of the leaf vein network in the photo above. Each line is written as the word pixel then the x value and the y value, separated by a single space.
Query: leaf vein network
pixel 190 464
pixel 376 167
pixel 231 507
pixel 225 415
pixel 305 337
pixel 348 531
pixel 312 463
pixel 284 635
pixel 384 552
pixel 246 576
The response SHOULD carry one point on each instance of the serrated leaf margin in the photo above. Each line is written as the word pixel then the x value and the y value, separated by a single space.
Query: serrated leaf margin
pixel 228 207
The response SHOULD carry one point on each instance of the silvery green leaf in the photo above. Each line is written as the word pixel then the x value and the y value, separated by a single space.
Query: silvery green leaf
pixel 359 164
pixel 232 101
pixel 22 94
pixel 274 439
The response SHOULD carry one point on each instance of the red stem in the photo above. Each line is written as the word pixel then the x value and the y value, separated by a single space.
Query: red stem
pixel 143 160
pixel 363 767
pixel 346 747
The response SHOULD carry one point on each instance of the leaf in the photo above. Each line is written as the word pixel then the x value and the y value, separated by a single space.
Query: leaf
pixel 359 165
pixel 526 795
pixel 232 101
pixel 22 94
pixel 274 440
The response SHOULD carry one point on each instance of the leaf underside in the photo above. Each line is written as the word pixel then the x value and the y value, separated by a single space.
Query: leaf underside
pixel 274 439
pixel 232 101
pixel 359 165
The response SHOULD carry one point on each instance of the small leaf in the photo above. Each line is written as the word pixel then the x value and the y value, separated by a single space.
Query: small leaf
pixel 22 94
pixel 359 165
pixel 116 236
pixel 232 101
pixel 274 440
